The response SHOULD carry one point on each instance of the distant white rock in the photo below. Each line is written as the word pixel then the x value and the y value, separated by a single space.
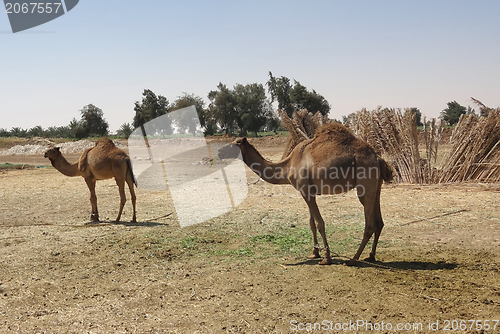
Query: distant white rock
pixel 70 147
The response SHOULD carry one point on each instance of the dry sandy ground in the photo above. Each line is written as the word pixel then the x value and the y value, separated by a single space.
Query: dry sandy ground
pixel 244 271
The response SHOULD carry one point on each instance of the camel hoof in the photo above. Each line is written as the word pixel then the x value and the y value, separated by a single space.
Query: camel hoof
pixel 370 259
pixel 326 261
pixel 94 218
pixel 314 255
pixel 351 262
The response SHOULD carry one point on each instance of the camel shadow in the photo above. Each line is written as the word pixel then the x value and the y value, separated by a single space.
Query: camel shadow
pixel 399 265
pixel 415 265
pixel 123 223
pixel 311 262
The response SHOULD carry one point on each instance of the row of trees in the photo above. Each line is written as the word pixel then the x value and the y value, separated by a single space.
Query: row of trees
pixel 91 124
pixel 241 109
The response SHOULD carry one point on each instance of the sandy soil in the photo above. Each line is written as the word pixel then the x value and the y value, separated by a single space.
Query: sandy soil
pixel 244 271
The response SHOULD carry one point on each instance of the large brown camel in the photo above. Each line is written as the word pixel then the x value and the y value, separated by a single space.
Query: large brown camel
pixel 333 162
pixel 101 162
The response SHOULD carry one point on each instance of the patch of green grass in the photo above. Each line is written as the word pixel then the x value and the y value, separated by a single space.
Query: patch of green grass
pixel 292 241
pixel 8 165
pixel 184 135
pixel 190 242
pixel 230 239
pixel 262 134
pixel 153 238
pixel 298 240
pixel 157 241
pixel 231 252
pixel 344 245
pixel 197 244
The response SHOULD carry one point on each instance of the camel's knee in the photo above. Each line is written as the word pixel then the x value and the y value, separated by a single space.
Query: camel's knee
pixel 374 227
pixel 123 198
pixel 312 224
pixel 377 227
pixel 368 234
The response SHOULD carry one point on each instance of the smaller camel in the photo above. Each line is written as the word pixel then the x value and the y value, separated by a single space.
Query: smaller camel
pixel 101 162
pixel 333 162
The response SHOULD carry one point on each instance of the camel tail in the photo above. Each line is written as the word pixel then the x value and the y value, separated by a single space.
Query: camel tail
pixel 386 170
pixel 129 169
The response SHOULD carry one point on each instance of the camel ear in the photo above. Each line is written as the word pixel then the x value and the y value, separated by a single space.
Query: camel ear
pixel 57 149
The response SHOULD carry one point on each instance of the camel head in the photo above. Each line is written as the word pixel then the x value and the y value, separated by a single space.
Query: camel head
pixel 233 150
pixel 52 153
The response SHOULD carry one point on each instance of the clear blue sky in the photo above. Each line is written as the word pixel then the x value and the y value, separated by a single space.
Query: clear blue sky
pixel 357 54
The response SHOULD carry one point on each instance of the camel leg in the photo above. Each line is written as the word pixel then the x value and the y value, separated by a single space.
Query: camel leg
pixel 94 216
pixel 371 258
pixel 379 225
pixel 121 188
pixel 130 184
pixel 314 210
pixel 373 224
pixel 366 237
pixel 370 229
pixel 315 252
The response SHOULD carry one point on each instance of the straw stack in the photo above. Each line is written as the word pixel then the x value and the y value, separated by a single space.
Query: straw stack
pixel 301 126
pixel 475 153
pixel 393 134
pixel 433 132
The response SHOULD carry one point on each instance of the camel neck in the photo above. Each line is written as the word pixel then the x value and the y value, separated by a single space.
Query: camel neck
pixel 63 166
pixel 272 172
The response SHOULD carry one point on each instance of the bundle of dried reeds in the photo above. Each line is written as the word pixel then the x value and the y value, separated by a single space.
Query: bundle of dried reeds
pixel 301 126
pixel 393 134
pixel 475 153
pixel 475 141
pixel 433 132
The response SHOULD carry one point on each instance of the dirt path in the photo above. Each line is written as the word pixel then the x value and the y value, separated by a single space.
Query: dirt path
pixel 244 271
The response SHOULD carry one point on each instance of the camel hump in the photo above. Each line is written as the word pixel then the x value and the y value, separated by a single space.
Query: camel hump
pixel 386 170
pixel 334 130
pixel 341 135
pixel 105 142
